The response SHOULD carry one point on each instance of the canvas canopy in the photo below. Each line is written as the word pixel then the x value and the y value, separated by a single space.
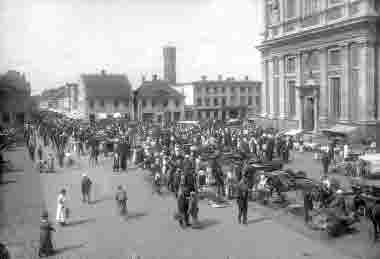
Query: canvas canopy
pixel 340 130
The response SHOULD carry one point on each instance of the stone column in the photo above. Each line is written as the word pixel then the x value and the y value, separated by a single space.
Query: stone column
pixel 316 111
pixel 346 83
pixel 367 83
pixel 281 90
pixel 264 96
pixel 271 89
pixel 299 97
pixel 324 85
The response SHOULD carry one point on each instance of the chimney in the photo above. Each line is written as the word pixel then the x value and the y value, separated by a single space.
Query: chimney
pixel 155 77
pixel 103 72
pixel 246 78
pixel 204 78
pixel 220 77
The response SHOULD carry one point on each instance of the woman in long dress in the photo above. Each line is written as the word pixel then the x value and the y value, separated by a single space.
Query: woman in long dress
pixel 61 208
pixel 46 244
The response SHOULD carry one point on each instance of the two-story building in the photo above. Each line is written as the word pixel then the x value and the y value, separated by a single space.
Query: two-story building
pixel 15 100
pixel 321 63
pixel 223 99
pixel 103 95
pixel 157 101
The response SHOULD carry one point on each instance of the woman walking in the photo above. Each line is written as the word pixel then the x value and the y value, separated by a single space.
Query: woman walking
pixel 46 244
pixel 62 210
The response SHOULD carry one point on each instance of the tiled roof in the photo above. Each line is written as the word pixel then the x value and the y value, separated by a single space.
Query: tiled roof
pixel 106 85
pixel 157 88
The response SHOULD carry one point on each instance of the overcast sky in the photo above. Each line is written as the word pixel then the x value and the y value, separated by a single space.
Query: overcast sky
pixel 54 41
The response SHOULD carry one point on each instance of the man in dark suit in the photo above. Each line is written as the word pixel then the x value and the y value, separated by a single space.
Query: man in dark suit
pixel 86 188
pixel 183 208
pixel 242 200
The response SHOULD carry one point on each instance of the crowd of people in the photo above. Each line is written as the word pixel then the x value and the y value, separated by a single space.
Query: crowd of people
pixel 184 159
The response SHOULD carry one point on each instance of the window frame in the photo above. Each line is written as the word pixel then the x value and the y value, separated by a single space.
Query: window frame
pixel 336 49
pixel 102 103
pixel 292 57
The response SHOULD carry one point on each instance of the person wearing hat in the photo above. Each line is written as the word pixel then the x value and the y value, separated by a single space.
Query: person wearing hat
pixel 242 200
pixel 86 188
pixel 62 209
pixel 46 244
pixel 121 200
pixel 193 208
pixel 4 253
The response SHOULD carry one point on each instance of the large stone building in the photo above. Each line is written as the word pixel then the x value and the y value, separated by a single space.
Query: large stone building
pixel 103 95
pixel 157 101
pixel 15 100
pixel 321 63
pixel 224 99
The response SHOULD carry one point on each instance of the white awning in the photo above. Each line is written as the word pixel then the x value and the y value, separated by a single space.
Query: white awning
pixel 340 130
pixel 102 115
pixel 117 115
pixel 293 132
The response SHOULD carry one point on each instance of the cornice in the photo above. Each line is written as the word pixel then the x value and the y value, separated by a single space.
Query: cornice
pixel 315 31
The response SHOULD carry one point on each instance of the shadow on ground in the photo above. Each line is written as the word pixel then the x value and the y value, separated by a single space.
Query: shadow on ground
pixel 258 220
pixel 79 222
pixel 67 248
pixel 207 223
pixel 136 215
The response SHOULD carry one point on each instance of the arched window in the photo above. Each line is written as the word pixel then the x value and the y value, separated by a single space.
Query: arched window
pixel 116 103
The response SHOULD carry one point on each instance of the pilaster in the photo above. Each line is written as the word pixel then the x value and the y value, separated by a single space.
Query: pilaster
pixel 263 90
pixel 367 82
pixel 299 102
pixel 271 98
pixel 324 94
pixel 281 90
pixel 346 83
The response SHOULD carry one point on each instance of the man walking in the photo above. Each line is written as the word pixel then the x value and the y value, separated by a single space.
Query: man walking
pixel 86 188
pixel 242 200
pixel 121 200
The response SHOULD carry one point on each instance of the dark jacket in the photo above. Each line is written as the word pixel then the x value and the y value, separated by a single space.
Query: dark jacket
pixel 242 194
pixel 86 184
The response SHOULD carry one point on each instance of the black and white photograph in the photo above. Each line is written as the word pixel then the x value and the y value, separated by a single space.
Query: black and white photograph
pixel 190 129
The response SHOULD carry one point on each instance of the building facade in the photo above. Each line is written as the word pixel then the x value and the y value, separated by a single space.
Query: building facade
pixel 224 99
pixel 170 64
pixel 335 45
pixel 15 99
pixel 103 96
pixel 158 102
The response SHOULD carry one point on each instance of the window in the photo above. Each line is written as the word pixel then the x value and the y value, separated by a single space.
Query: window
pixel 334 59
pixel 116 103
pixel 335 95
pixel 166 103
pixel 207 114
pixel 215 90
pixel 208 90
pixel 249 89
pixel 258 103
pixel 92 104
pixel 291 65
pixel 290 9
pixel 335 2
pixel 223 89
pixel 207 101
pixel 242 89
pixel 250 100
pixel 153 103
pixel 199 115
pixel 6 117
pixel 216 102
pixel 224 101
pixel 199 101
pixel 243 100
pixel 177 103
pixel 144 103
pixel 292 97
pixel 232 100
pixel 310 7
pixel 126 103
pixel 216 114
pixel 232 89
pixel 102 103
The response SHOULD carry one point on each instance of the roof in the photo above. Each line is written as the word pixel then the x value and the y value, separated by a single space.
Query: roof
pixel 157 88
pixel 106 85
pixel 14 80
pixel 236 83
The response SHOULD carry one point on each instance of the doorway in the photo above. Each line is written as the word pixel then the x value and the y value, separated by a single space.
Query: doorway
pixel 308 114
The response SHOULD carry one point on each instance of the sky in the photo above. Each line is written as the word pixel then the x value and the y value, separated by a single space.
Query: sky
pixel 54 41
